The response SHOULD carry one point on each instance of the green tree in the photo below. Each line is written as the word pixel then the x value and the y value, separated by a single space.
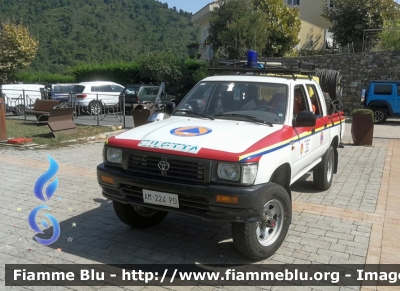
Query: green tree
pixel 157 67
pixel 284 26
pixel 268 26
pixel 235 27
pixel 354 16
pixel 390 36
pixel 17 48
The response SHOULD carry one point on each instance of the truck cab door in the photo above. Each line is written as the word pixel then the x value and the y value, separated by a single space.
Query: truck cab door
pixel 320 135
pixel 302 145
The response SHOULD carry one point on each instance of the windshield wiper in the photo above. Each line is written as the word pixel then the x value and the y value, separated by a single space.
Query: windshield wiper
pixel 195 113
pixel 249 117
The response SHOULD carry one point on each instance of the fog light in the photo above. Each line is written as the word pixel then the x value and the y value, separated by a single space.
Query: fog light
pixel 227 199
pixel 106 179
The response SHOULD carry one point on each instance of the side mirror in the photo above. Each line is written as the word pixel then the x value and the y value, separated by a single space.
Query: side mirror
pixel 304 119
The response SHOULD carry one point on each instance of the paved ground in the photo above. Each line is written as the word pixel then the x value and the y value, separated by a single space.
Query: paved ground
pixel 356 221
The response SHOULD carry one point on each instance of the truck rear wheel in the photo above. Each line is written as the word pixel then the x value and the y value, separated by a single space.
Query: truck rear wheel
pixel 380 116
pixel 138 216
pixel 260 240
pixel 323 172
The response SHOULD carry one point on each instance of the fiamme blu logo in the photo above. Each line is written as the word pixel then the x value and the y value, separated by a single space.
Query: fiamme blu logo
pixel 49 192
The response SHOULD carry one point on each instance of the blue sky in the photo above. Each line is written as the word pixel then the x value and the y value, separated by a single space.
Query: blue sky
pixel 187 5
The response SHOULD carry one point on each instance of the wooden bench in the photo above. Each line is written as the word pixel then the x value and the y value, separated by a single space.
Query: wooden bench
pixel 60 121
pixel 42 108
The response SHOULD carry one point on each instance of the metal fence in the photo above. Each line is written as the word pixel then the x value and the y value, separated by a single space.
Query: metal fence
pixel 18 103
pixel 97 106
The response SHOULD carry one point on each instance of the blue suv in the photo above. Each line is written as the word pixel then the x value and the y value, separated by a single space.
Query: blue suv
pixel 383 97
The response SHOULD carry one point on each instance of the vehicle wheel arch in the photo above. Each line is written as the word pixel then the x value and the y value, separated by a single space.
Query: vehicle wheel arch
pixel 282 176
pixel 335 145
pixel 381 104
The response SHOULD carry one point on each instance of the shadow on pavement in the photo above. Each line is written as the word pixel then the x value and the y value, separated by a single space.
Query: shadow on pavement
pixel 101 237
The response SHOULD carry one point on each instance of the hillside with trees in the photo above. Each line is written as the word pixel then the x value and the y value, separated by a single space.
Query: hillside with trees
pixel 72 32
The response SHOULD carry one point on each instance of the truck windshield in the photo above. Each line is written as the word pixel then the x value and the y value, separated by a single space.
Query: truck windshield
pixel 266 102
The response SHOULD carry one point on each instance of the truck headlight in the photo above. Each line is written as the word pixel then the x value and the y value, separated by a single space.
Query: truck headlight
pixel 228 172
pixel 249 173
pixel 114 155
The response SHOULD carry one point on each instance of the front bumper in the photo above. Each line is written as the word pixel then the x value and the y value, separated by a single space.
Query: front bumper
pixel 196 200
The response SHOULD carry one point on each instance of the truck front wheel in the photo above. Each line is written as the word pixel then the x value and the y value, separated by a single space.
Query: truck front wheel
pixel 138 216
pixel 260 240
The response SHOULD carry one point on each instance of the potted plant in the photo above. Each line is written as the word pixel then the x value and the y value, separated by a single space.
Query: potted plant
pixel 362 126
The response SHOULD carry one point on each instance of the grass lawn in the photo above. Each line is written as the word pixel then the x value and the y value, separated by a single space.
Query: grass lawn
pixel 41 133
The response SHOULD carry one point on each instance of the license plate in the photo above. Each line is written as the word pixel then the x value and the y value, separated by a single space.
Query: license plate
pixel 160 198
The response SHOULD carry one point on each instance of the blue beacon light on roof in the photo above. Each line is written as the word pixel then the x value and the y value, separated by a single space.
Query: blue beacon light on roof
pixel 252 58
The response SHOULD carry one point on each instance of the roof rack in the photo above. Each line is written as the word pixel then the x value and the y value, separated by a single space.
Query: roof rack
pixel 291 67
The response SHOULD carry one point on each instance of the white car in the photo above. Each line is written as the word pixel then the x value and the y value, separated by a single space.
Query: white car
pixel 94 96
pixel 14 96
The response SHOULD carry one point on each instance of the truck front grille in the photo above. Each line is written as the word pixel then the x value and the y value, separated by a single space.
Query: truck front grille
pixel 181 168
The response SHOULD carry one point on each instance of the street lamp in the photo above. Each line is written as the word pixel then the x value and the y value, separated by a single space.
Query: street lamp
pixel 335 22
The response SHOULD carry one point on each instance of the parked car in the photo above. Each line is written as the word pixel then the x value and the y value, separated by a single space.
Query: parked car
pixel 382 97
pixel 59 92
pixel 14 96
pixel 135 94
pixel 93 96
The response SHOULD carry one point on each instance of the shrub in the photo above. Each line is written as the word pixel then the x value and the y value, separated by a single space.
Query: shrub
pixel 363 111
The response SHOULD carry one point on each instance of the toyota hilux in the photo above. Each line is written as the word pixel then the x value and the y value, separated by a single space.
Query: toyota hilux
pixel 229 153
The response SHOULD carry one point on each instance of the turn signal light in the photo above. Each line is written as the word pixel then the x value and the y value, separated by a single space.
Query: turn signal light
pixel 227 199
pixel 106 179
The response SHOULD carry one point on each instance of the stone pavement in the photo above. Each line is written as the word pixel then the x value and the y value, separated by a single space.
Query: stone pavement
pixel 356 221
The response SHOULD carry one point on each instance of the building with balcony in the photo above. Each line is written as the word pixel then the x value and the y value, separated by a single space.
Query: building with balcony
pixel 313 35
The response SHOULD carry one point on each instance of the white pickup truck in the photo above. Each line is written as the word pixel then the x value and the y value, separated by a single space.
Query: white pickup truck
pixel 229 152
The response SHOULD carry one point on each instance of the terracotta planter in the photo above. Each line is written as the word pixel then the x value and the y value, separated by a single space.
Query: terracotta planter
pixel 362 129
pixel 3 129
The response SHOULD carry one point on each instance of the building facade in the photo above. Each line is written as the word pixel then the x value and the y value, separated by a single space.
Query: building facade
pixel 313 35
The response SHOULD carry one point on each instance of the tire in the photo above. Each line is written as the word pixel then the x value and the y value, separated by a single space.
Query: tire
pixel 63 105
pixel 95 108
pixel 380 116
pixel 257 244
pixel 138 216
pixel 19 110
pixel 323 172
